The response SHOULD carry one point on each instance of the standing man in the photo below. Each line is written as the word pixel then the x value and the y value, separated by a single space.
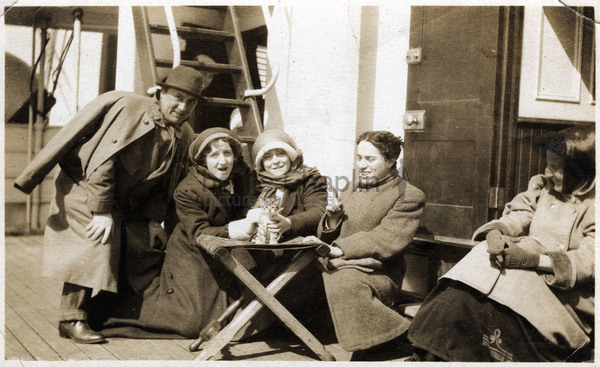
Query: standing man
pixel 120 159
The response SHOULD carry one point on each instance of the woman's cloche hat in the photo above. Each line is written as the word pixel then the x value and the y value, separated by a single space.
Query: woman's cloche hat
pixel 273 139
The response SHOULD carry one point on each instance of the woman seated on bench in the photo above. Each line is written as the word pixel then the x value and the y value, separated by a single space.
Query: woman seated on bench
pixel 369 229
pixel 527 292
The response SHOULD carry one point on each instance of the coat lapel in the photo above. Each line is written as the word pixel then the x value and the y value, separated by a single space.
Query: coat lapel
pixel 124 129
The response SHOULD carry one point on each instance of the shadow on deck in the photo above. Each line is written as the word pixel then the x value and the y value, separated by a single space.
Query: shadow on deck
pixel 31 319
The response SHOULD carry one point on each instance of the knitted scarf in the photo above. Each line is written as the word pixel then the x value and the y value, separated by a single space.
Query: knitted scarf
pixel 393 174
pixel 202 174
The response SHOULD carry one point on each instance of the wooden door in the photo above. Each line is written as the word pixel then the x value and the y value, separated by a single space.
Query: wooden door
pixel 455 83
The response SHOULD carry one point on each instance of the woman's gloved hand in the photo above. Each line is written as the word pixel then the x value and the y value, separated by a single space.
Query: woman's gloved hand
pixel 515 257
pixel 251 221
pixel 504 252
pixel 496 242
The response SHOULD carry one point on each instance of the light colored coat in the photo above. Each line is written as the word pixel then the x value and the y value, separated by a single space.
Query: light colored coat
pixel 559 305
pixel 99 132
pixel 378 225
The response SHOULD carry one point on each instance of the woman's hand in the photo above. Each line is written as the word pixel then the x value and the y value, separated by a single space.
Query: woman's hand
pixel 335 251
pixel 495 244
pixel 253 215
pixel 516 257
pixel 334 210
pixel 251 221
pixel 504 251
pixel 279 224
pixel 100 225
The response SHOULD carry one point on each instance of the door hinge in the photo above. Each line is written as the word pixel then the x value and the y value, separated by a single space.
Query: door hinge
pixel 496 197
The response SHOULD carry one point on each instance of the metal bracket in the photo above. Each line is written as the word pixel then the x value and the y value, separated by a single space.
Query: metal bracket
pixel 413 56
pixel 414 120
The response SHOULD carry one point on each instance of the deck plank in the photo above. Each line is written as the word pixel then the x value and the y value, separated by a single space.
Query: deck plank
pixel 46 307
pixel 36 346
pixel 13 349
pixel 27 285
pixel 173 350
pixel 63 347
pixel 132 349
pixel 26 267
pixel 32 303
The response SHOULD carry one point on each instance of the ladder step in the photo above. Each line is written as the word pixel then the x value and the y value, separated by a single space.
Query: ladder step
pixel 204 33
pixel 228 102
pixel 246 139
pixel 223 68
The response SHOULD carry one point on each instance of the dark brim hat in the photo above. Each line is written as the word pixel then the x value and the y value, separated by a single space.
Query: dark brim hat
pixel 186 79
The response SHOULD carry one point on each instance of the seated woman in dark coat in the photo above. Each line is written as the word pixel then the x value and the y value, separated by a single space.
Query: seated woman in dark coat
pixel 299 192
pixel 193 288
pixel 369 229
pixel 527 292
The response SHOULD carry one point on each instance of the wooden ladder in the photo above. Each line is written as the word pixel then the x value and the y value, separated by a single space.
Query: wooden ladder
pixel 237 66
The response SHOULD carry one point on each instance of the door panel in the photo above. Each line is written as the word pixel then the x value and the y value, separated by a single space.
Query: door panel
pixel 455 83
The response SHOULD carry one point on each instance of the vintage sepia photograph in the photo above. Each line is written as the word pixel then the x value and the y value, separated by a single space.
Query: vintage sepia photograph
pixel 285 183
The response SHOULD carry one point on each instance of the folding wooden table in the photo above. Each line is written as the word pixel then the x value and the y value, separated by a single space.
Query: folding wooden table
pixel 308 248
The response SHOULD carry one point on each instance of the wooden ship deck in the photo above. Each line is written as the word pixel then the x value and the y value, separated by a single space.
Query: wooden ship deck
pixel 31 319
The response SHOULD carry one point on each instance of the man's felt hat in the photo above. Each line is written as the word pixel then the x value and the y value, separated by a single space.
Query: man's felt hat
pixel 186 79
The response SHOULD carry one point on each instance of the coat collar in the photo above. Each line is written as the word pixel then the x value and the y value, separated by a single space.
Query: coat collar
pixel 155 115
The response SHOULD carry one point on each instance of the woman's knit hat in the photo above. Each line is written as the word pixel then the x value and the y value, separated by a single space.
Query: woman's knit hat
pixel 273 139
pixel 208 135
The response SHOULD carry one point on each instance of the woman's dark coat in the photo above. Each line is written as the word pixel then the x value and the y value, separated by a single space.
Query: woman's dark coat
pixel 193 287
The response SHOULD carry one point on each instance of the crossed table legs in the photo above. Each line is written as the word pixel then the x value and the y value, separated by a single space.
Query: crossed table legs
pixel 266 297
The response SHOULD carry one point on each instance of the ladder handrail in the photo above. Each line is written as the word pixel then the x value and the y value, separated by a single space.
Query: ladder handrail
pixel 245 68
pixel 174 38
pixel 149 45
pixel 271 83
pixel 260 92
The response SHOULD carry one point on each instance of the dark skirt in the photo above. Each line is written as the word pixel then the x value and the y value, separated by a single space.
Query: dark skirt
pixel 192 289
pixel 457 323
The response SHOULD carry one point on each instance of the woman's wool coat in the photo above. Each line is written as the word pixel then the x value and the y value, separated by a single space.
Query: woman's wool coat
pixel 377 226
pixel 560 305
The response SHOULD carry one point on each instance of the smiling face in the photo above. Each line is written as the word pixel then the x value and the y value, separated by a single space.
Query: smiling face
pixel 555 170
pixel 372 166
pixel 176 105
pixel 276 162
pixel 219 160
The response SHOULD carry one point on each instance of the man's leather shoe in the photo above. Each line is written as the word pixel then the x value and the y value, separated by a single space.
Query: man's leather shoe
pixel 80 332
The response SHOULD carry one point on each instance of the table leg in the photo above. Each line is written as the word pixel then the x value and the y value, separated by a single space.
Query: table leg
pixel 266 295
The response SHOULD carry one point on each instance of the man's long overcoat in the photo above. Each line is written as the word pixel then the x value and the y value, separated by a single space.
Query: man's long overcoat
pixel 100 131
